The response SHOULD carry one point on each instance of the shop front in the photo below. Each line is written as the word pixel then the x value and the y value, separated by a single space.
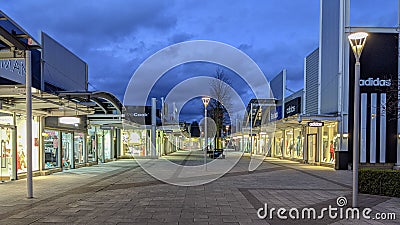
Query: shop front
pixel 322 142
pixel 64 142
pixel 13 145
pixel 8 147
pixel 135 142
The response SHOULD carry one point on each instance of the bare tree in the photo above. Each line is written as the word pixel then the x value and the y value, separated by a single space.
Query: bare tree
pixel 220 105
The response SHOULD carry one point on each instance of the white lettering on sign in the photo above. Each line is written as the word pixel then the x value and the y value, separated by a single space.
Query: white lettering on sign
pixel 375 82
pixel 290 109
pixel 13 69
pixel 140 114
pixel 315 124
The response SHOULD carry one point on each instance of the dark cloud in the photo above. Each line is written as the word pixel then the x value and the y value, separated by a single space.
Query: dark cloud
pixel 115 36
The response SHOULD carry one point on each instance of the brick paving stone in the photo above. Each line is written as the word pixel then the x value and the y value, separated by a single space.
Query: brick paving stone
pixel 122 193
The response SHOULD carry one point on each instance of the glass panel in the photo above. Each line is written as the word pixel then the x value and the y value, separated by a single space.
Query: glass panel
pixel 107 144
pixel 289 143
pixel 5 153
pixel 67 150
pixel 91 143
pixel 100 145
pixel 298 143
pixel 51 141
pixel 21 144
pixel 278 143
pixel 330 142
pixel 79 148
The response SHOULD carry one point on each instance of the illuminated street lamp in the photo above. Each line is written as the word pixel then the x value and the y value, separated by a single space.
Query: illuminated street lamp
pixel 357 43
pixel 205 100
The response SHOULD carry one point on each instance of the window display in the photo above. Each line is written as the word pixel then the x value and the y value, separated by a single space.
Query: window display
pixel 278 143
pixel 21 144
pixel 289 143
pixel 107 144
pixel 330 142
pixel 79 148
pixel 92 145
pixel 67 150
pixel 134 142
pixel 298 143
pixel 5 153
pixel 51 141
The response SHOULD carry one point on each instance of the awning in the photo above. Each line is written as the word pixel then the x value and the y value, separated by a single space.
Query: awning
pixel 102 102
pixel 13 99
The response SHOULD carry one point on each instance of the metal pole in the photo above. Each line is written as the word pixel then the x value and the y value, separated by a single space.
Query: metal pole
pixel 153 127
pixel 356 136
pixel 28 86
pixel 251 129
pixel 205 138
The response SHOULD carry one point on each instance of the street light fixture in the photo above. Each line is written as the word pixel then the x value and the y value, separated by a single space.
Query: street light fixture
pixel 357 43
pixel 205 100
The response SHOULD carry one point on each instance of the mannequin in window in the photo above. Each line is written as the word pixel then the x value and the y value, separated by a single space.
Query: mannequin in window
pixel 332 151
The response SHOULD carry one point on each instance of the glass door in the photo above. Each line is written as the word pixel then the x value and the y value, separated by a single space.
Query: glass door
pixel 6 162
pixel 312 148
pixel 67 150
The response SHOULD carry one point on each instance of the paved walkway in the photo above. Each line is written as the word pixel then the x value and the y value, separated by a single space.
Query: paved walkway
pixel 121 192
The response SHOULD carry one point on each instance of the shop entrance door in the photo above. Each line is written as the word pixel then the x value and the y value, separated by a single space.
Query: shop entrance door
pixel 312 148
pixel 67 150
pixel 7 149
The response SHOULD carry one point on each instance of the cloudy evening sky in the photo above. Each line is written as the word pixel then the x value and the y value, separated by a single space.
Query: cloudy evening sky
pixel 115 36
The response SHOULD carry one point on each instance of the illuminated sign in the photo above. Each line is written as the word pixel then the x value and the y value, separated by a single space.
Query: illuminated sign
pixel 315 124
pixel 376 82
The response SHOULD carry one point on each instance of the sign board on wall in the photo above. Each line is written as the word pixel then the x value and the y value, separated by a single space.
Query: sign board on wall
pixel 13 69
pixel 275 114
pixel 138 114
pixel 378 98
pixel 293 107
pixel 315 124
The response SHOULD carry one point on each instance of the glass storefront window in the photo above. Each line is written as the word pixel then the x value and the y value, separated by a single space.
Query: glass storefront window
pixel 298 143
pixel 79 147
pixel 329 142
pixel 51 141
pixel 134 142
pixel 289 143
pixel 6 163
pixel 67 149
pixel 92 145
pixel 278 144
pixel 21 144
pixel 312 144
pixel 99 136
pixel 107 144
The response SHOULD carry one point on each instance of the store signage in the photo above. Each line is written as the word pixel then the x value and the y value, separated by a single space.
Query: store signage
pixel 69 120
pixel 275 114
pixel 315 124
pixel 13 69
pixel 376 82
pixel 138 114
pixel 293 107
pixel 106 127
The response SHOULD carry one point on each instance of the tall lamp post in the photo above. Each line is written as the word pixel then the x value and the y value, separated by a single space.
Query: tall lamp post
pixel 357 43
pixel 205 100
